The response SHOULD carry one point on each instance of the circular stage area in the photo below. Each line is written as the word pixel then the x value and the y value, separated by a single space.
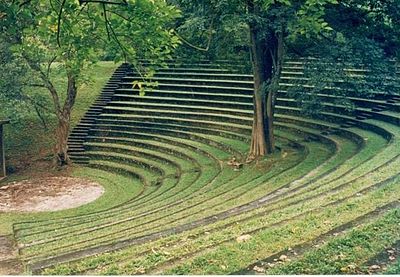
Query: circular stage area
pixel 48 194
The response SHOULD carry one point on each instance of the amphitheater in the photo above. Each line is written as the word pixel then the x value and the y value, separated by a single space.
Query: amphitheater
pixel 333 172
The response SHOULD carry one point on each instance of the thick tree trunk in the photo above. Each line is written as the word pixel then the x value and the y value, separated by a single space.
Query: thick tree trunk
pixel 267 57
pixel 262 139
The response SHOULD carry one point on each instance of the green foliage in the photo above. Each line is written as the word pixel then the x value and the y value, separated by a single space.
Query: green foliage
pixel 351 59
pixel 74 34
pixel 54 38
pixel 17 102
pixel 226 24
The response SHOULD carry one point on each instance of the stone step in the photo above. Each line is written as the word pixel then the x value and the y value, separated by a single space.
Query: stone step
pixel 74 145
pixel 360 117
pixel 92 113
pixel 365 115
pixel 193 75
pixel 86 120
pixel 127 81
pixel 377 109
pixel 396 97
pixel 95 108
pixel 191 88
pixel 79 159
pixel 75 140
pixel 89 117
pixel 148 99
pixel 107 91
pixel 79 134
pixel 75 149
pixel 219 96
pixel 80 129
pixel 345 126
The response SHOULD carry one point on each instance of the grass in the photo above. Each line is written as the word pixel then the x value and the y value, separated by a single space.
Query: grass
pixel 348 253
pixel 394 268
pixel 314 159
pixel 118 189
pixel 130 269
pixel 267 241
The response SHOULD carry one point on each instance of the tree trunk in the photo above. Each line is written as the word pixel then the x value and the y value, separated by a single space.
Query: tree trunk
pixel 267 58
pixel 64 120
pixel 262 139
pixel 61 146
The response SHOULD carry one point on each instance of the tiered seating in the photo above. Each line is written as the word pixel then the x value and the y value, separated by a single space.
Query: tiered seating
pixel 175 142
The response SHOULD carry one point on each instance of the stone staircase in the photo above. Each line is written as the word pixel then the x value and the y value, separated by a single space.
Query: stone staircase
pixel 80 131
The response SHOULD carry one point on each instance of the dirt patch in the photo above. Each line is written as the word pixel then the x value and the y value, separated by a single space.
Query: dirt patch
pixel 48 194
pixel 9 264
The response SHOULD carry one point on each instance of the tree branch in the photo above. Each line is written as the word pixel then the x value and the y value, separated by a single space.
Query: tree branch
pixel 39 114
pixel 33 85
pixel 47 83
pixel 106 20
pixel 124 51
pixel 120 15
pixel 198 47
pixel 59 22
pixel 49 66
pixel 33 102
pixel 124 2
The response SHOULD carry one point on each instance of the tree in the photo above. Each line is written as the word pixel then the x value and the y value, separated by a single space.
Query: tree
pixel 66 36
pixel 276 27
pixel 270 24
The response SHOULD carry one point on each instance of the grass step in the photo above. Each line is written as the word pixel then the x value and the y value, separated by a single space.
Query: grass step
pixel 127 82
pixel 119 169
pixel 179 123
pixel 221 115
pixel 215 76
pixel 185 106
pixel 131 155
pixel 142 149
pixel 194 70
pixel 152 167
pixel 190 95
pixel 149 99
pixel 200 88
pixel 114 130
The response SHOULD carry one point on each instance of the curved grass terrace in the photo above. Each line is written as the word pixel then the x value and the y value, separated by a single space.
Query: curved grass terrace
pixel 175 206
